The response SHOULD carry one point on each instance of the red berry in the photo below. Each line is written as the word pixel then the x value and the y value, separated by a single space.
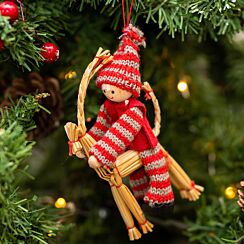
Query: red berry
pixel 9 9
pixel 50 52
pixel 1 45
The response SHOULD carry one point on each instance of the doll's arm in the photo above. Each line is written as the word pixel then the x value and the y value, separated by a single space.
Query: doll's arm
pixel 118 137
pixel 102 124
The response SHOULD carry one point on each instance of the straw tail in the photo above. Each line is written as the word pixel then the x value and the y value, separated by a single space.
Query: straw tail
pixel 135 35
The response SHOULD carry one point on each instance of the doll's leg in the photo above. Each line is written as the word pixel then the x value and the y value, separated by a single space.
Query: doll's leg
pixel 156 167
pixel 139 183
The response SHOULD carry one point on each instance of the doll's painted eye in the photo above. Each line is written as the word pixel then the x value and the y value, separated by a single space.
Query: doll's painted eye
pixel 112 92
pixel 104 91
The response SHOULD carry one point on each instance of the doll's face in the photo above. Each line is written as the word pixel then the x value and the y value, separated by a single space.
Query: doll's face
pixel 115 94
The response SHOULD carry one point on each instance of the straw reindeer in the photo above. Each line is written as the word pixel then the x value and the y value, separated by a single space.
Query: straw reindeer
pixel 80 142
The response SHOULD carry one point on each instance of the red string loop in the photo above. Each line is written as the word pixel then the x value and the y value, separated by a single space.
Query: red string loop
pixel 70 143
pixel 123 12
pixel 118 186
pixel 129 14
pixel 143 223
pixel 193 184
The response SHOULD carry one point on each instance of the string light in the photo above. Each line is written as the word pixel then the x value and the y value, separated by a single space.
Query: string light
pixel 183 88
pixel 60 203
pixel 230 192
pixel 70 75
pixel 50 233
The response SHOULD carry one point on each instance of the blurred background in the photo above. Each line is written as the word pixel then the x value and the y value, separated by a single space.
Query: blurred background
pixel 196 69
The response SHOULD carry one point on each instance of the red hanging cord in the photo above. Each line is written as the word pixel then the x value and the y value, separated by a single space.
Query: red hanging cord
pixel 123 12
pixel 129 14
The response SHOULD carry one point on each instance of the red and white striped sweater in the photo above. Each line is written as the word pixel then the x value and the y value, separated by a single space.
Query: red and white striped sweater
pixel 114 138
pixel 122 126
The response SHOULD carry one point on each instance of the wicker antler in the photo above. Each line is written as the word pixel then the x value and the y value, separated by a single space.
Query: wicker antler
pixel 127 162
pixel 101 58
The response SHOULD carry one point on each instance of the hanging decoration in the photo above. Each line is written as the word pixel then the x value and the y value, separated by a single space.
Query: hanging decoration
pixel 122 143
pixel 9 9
pixel 50 52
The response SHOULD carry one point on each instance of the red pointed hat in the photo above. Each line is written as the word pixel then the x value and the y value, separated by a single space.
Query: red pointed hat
pixel 123 70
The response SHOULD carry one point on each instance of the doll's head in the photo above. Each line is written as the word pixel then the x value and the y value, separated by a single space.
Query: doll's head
pixel 122 73
pixel 115 94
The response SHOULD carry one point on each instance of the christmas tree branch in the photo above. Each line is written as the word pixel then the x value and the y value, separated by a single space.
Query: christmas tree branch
pixel 219 221
pixel 202 18
pixel 22 113
pixel 22 221
pixel 46 21
pixel 23 39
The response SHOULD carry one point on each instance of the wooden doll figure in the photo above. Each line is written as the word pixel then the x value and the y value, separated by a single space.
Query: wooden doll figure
pixel 122 124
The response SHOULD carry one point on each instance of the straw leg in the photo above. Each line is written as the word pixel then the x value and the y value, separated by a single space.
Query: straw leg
pixel 187 190
pixel 182 181
pixel 135 208
pixel 133 232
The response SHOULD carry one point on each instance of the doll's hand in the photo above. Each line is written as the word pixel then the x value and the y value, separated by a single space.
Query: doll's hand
pixel 80 154
pixel 93 163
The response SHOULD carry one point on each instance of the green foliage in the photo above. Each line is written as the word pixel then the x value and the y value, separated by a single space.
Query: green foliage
pixel 46 21
pixel 202 18
pixel 22 220
pixel 21 113
pixel 13 150
pixel 23 39
pixel 218 221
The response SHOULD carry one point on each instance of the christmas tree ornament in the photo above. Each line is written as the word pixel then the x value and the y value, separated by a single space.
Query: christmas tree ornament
pixel 230 192
pixel 60 203
pixel 129 162
pixel 9 9
pixel 121 143
pixel 32 83
pixel 1 45
pixel 20 2
pixel 120 82
pixel 50 52
pixel 241 195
